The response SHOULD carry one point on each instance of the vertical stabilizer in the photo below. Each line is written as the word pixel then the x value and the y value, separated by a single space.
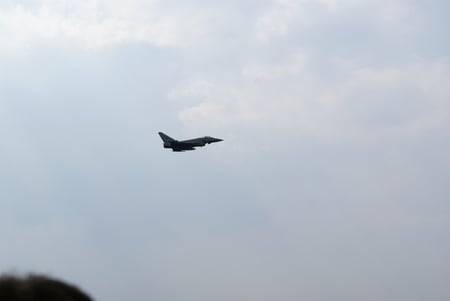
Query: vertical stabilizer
pixel 165 138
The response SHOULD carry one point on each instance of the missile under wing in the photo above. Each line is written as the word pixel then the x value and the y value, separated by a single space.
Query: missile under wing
pixel 186 145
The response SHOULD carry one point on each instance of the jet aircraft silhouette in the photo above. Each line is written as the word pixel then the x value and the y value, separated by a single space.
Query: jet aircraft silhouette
pixel 186 145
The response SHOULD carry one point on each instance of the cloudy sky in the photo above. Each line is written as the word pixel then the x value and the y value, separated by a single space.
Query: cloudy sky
pixel 332 182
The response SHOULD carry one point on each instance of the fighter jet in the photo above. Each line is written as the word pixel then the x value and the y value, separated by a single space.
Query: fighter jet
pixel 186 145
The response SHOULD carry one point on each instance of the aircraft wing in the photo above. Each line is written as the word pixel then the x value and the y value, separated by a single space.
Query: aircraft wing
pixel 179 146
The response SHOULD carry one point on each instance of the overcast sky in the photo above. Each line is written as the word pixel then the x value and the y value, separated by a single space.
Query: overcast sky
pixel 332 182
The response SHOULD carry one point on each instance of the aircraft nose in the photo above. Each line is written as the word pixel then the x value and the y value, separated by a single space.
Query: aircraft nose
pixel 216 140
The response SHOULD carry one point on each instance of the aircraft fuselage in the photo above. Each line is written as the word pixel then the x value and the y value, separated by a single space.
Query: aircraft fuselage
pixel 186 145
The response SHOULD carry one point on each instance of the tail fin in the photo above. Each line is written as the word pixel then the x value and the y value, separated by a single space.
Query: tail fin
pixel 165 138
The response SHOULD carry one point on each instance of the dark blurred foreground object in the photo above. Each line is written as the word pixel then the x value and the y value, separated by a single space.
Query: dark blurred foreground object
pixel 38 288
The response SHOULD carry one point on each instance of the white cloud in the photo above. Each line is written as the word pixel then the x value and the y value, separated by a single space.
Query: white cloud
pixel 348 97
pixel 94 24
pixel 373 102
pixel 393 17
pixel 277 20
pixel 195 88
pixel 293 68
